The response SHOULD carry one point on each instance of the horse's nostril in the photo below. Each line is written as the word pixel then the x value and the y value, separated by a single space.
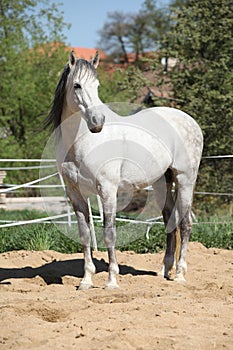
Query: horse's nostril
pixel 94 120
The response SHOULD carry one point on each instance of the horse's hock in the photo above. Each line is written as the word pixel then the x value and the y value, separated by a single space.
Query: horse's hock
pixel 2 195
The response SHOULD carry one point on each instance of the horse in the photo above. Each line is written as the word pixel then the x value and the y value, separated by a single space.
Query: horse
pixel 100 152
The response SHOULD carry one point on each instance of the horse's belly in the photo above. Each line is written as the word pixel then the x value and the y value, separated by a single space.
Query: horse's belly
pixel 135 166
pixel 142 172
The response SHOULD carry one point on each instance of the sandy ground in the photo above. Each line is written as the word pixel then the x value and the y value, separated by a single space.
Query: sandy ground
pixel 41 308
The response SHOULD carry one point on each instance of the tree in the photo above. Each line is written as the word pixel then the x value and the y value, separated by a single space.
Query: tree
pixel 30 62
pixel 201 39
pixel 114 34
pixel 157 23
pixel 137 32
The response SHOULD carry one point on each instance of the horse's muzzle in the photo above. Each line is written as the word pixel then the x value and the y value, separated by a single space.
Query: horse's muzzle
pixel 95 124
pixel 96 129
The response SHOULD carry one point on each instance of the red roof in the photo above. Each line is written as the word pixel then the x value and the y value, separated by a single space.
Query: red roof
pixel 80 52
pixel 87 54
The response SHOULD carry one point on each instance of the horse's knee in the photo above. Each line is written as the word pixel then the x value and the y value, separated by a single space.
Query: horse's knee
pixel 110 237
pixel 109 230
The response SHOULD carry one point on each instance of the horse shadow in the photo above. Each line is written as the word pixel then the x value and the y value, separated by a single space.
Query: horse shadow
pixel 53 272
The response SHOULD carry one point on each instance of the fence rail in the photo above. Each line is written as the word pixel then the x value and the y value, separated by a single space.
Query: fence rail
pixel 6 188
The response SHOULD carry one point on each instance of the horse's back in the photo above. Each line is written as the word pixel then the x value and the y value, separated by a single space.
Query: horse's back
pixel 162 119
pixel 178 130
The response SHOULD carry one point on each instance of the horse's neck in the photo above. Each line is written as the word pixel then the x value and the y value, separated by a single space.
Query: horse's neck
pixel 66 113
pixel 70 126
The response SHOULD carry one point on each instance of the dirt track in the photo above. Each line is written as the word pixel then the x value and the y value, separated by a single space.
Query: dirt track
pixel 41 308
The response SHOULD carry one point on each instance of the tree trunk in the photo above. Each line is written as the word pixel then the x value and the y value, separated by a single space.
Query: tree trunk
pixel 123 49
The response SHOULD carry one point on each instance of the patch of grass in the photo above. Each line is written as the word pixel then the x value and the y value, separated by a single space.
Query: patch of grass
pixel 129 236
pixel 34 236
pixel 155 243
pixel 215 234
pixel 40 240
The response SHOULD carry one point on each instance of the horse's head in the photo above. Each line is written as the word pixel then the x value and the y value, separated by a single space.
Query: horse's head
pixel 82 91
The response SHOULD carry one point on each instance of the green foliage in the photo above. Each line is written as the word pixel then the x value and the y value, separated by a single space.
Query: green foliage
pixel 214 235
pixel 155 243
pixel 40 240
pixel 33 236
pixel 123 86
pixel 47 236
pixel 201 40
pixel 110 89
pixel 30 63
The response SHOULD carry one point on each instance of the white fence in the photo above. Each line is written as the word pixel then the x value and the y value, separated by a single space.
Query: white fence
pixel 6 188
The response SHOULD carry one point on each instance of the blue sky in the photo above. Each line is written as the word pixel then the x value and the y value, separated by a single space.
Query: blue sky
pixel 88 16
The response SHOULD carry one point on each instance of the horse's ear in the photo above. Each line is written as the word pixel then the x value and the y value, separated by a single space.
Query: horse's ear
pixel 72 59
pixel 95 60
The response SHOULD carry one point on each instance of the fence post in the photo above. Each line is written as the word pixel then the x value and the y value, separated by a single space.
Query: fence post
pixel 2 195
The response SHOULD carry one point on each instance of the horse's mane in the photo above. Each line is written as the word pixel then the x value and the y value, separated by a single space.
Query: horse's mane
pixel 54 116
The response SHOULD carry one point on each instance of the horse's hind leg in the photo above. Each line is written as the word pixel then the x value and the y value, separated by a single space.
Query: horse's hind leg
pixel 167 207
pixel 185 231
pixel 184 202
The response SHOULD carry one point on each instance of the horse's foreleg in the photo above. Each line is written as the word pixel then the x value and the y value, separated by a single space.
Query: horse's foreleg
pixel 80 205
pixel 109 207
pixel 82 213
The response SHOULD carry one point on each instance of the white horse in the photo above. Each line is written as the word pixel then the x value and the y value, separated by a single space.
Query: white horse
pixel 100 152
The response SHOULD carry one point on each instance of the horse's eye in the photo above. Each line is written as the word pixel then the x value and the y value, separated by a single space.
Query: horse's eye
pixel 77 86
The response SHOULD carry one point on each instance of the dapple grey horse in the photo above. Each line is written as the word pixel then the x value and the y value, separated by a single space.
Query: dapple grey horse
pixel 100 152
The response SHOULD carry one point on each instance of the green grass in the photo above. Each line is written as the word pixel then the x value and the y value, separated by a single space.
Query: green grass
pixel 215 235
pixel 33 236
pixel 48 237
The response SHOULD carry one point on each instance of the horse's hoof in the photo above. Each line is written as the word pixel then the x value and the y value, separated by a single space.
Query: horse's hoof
pixel 111 286
pixel 85 286
pixel 165 274
pixel 161 272
pixel 168 277
pixel 179 278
